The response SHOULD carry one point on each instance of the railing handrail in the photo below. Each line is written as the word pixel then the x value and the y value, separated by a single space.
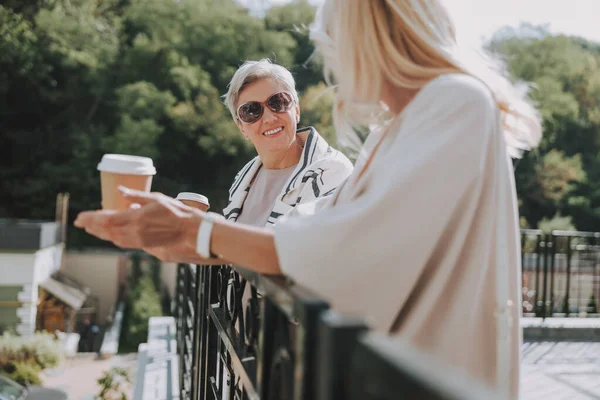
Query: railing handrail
pixel 559 232
pixel 280 288
pixel 531 232
pixel 576 233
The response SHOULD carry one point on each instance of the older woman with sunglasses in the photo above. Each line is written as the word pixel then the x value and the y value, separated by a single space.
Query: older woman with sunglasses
pixel 293 166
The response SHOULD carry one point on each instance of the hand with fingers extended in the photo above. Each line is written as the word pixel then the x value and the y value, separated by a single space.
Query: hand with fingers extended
pixel 156 222
pixel 168 229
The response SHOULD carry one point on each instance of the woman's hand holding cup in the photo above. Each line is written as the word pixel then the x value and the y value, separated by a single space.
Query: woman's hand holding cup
pixel 158 221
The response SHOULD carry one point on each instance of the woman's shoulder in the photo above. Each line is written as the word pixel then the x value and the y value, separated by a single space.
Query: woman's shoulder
pixel 332 159
pixel 452 100
pixel 455 112
pixel 456 90
pixel 321 154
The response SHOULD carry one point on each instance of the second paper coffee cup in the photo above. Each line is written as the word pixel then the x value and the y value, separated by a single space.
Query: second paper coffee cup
pixel 194 200
pixel 117 170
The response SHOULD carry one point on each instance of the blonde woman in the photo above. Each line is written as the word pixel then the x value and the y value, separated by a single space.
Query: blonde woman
pixel 422 240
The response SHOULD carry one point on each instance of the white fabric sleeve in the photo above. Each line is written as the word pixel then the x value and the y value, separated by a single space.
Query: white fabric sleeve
pixel 423 182
pixel 333 172
pixel 308 208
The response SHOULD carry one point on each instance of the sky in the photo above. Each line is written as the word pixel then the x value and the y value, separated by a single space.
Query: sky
pixel 479 19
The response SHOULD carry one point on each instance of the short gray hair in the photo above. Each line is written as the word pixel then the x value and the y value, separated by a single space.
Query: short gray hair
pixel 253 71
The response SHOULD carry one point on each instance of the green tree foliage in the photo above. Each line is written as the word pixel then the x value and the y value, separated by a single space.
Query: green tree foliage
pixel 556 223
pixel 113 384
pixel 81 78
pixel 41 349
pixel 316 110
pixel 562 176
pixel 22 358
pixel 23 373
pixel 295 18
pixel 143 302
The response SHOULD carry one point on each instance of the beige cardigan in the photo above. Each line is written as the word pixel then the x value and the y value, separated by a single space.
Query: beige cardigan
pixel 414 246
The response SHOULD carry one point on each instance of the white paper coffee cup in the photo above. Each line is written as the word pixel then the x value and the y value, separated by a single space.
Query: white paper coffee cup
pixel 116 170
pixel 194 200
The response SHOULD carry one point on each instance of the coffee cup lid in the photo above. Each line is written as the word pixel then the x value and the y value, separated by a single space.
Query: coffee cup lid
pixel 192 197
pixel 126 164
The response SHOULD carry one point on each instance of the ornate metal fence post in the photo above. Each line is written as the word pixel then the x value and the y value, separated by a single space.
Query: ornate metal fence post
pixel 209 358
pixel 180 316
pixel 201 332
pixel 338 339
pixel 308 310
pixel 552 242
pixel 539 256
pixel 566 307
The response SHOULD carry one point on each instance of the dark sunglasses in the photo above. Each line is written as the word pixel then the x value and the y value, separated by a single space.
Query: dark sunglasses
pixel 252 111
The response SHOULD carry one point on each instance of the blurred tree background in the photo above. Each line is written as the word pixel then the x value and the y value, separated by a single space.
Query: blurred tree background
pixel 559 183
pixel 80 78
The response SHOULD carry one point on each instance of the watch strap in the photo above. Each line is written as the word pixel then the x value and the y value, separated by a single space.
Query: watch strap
pixel 205 233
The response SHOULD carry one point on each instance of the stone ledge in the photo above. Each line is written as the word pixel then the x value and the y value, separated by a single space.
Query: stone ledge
pixel 561 329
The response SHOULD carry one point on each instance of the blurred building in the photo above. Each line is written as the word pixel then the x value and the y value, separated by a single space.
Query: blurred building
pixel 44 287
pixel 30 253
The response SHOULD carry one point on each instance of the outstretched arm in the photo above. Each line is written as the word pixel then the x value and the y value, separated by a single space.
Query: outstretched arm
pixel 168 229
pixel 241 244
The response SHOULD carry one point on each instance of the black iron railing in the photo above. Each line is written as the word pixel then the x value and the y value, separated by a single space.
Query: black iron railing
pixel 241 335
pixel 254 341
pixel 246 336
pixel 561 273
pixel 187 312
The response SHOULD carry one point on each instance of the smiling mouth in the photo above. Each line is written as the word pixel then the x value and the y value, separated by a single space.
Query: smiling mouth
pixel 273 131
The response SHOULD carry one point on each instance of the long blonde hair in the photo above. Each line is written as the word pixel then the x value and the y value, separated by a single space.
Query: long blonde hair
pixel 407 43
